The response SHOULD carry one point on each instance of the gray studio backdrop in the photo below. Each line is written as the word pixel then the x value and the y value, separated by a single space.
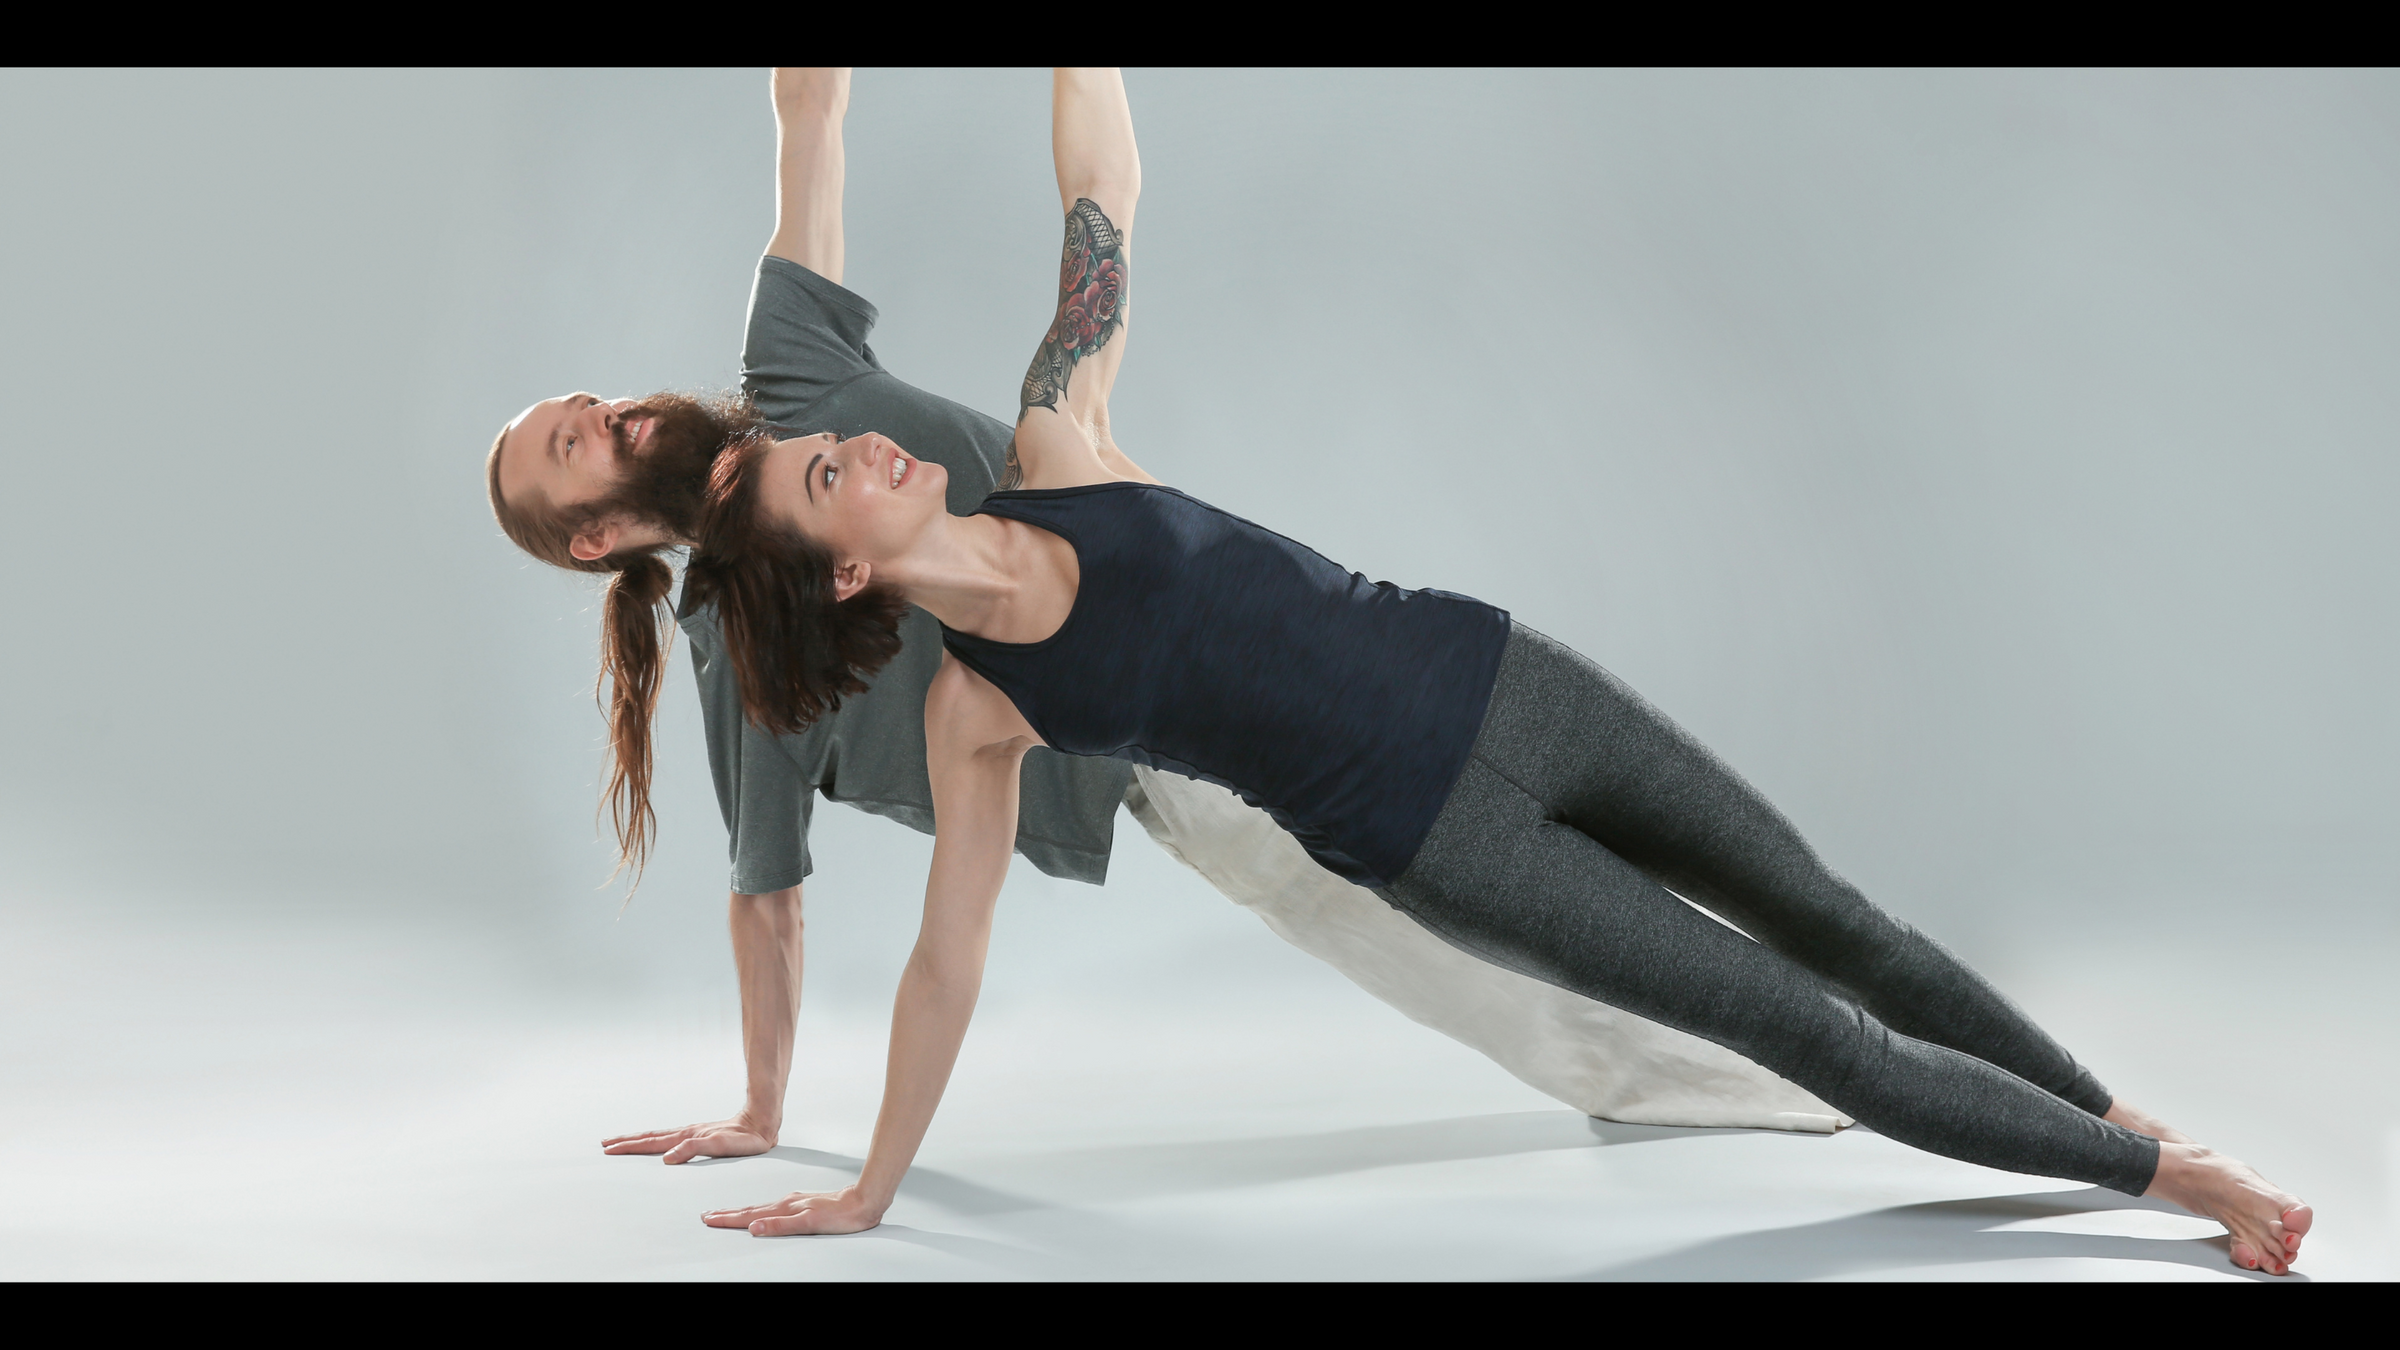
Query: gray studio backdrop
pixel 1996 467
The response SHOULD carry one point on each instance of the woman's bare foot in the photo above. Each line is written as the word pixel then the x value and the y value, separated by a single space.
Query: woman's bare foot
pixel 2140 1121
pixel 2266 1224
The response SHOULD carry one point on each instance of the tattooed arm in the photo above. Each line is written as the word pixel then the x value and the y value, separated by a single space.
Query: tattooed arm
pixel 1062 425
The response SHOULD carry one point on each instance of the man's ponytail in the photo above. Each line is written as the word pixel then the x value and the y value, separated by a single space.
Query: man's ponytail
pixel 636 628
pixel 636 632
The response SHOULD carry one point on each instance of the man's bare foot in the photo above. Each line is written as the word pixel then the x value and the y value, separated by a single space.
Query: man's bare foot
pixel 2140 1121
pixel 2266 1224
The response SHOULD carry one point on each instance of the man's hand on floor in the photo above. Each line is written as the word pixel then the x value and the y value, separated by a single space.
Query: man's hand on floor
pixel 739 1137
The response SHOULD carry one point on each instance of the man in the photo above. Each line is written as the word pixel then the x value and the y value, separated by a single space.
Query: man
pixel 607 486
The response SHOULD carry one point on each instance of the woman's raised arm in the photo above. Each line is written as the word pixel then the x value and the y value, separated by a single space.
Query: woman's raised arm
pixel 1091 141
pixel 1062 422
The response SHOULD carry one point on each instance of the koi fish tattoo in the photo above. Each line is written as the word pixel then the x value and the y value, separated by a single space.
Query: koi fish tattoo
pixel 1091 308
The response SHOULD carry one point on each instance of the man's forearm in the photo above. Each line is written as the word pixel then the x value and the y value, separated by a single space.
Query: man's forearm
pixel 766 957
pixel 810 102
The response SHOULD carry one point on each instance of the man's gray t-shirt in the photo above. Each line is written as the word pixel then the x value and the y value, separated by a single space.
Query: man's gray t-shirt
pixel 806 362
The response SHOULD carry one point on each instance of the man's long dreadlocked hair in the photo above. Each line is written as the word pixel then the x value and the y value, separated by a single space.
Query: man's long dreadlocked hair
pixel 665 486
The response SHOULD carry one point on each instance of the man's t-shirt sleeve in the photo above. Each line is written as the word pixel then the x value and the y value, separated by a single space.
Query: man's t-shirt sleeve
pixel 762 794
pixel 807 338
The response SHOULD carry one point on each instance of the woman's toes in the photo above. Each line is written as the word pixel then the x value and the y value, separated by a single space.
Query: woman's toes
pixel 2244 1257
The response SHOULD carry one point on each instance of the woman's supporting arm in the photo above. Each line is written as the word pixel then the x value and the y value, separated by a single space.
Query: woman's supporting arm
pixel 974 741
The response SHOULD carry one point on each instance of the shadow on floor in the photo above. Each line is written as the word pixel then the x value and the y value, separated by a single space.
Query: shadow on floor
pixel 1906 1237
pixel 1941 1233
pixel 1143 1171
pixel 949 1190
pixel 999 1256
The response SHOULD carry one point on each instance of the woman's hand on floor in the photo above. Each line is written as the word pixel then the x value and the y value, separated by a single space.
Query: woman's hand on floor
pixel 802 1212
pixel 739 1137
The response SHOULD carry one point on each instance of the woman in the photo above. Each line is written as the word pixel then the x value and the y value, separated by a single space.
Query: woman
pixel 1507 794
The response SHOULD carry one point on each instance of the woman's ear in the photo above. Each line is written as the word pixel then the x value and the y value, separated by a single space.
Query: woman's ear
pixel 849 579
pixel 595 543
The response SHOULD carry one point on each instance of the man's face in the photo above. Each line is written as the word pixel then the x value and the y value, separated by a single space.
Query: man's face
pixel 566 449
pixel 630 473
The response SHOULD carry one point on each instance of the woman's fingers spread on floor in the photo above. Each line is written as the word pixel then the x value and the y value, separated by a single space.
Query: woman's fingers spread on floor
pixel 747 1214
pixel 735 1218
pixel 798 1214
pixel 816 1215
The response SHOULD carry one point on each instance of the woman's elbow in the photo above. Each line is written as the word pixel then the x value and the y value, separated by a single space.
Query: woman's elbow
pixel 947 977
pixel 1114 192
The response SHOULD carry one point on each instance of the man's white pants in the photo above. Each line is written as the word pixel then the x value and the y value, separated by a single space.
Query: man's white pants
pixel 1594 1058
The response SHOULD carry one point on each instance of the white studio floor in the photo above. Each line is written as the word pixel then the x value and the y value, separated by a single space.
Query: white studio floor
pixel 277 1098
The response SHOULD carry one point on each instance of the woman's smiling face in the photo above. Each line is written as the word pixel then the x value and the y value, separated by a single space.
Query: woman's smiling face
pixel 864 499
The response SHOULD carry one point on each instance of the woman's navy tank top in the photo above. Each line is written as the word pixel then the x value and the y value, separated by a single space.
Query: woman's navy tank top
pixel 1202 644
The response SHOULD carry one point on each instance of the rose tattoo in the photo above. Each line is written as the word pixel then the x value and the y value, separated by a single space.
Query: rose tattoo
pixel 1091 304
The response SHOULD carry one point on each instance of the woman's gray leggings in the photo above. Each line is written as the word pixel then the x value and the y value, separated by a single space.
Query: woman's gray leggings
pixel 1582 805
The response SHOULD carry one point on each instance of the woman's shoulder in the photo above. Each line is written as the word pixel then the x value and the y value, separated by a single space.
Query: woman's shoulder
pixel 965 713
pixel 1054 491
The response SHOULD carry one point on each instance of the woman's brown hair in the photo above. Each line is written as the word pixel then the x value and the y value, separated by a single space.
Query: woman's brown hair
pixel 796 650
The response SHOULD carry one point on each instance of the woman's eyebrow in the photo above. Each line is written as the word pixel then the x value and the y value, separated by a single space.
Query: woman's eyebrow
pixel 808 478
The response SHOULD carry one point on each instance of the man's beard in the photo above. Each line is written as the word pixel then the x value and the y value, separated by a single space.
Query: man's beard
pixel 665 481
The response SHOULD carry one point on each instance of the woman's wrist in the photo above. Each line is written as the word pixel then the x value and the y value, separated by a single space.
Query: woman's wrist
pixel 871 1190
